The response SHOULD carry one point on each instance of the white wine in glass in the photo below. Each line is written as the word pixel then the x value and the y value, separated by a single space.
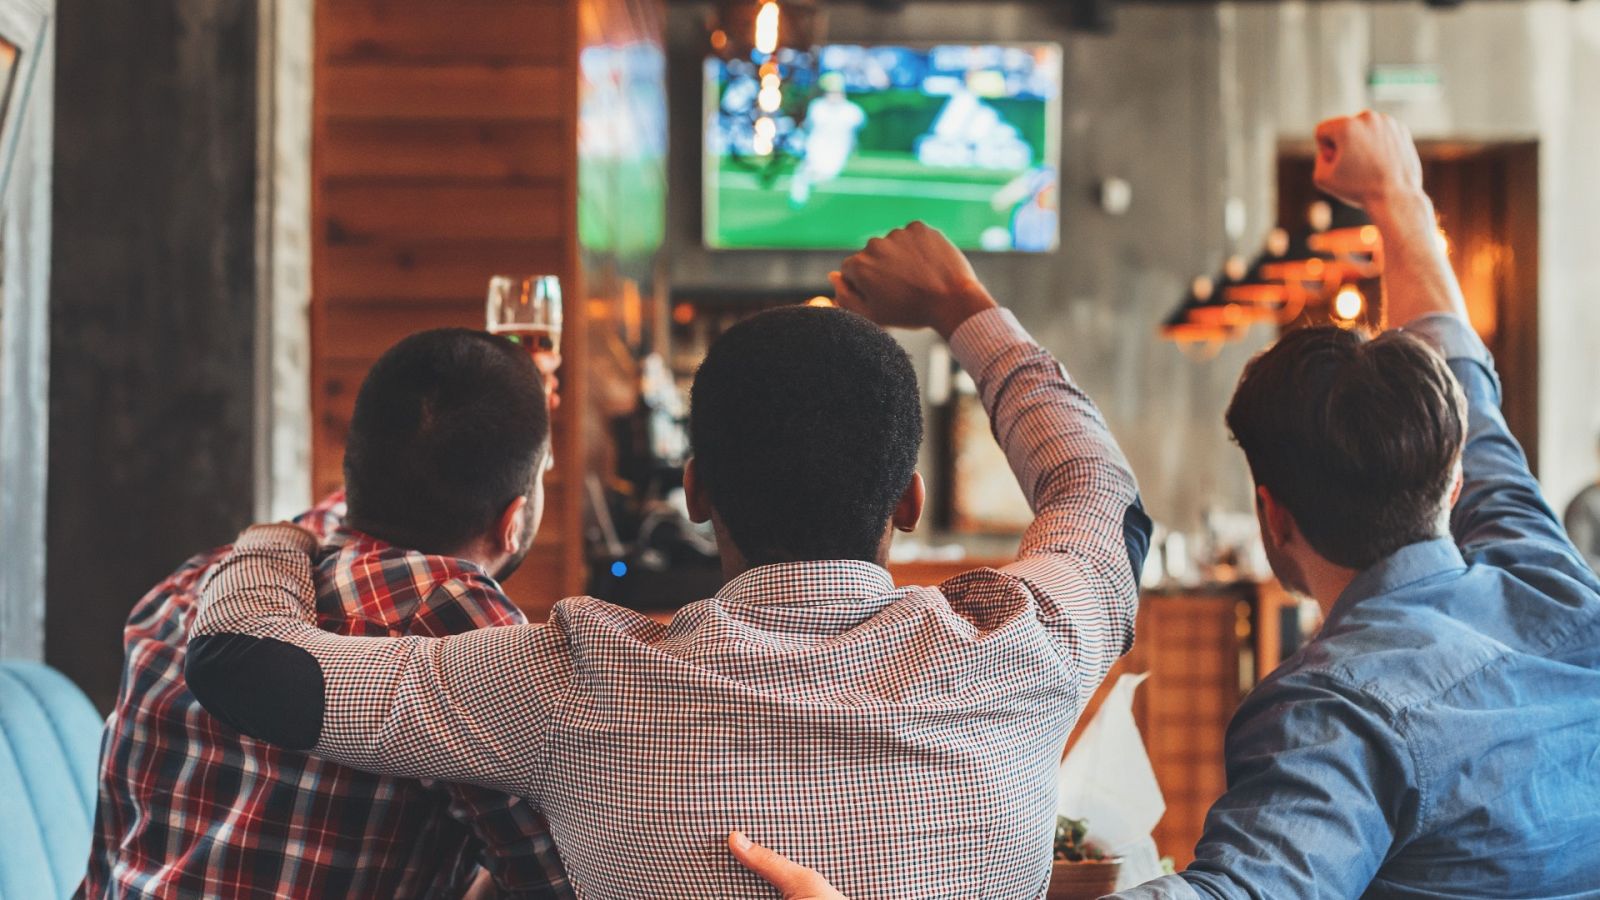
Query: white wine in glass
pixel 526 309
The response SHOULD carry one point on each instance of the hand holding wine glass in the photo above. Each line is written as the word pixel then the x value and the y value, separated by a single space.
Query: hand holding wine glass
pixel 527 311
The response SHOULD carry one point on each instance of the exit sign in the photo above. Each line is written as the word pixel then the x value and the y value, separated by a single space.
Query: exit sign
pixel 1404 83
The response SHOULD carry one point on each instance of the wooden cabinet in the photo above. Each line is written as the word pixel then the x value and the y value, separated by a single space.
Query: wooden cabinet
pixel 1200 653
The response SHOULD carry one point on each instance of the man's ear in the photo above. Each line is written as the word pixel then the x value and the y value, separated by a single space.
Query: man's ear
pixel 694 495
pixel 509 531
pixel 1276 519
pixel 908 512
pixel 1459 480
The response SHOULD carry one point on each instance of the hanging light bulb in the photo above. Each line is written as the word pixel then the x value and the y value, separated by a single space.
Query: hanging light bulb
pixel 1347 234
pixel 771 96
pixel 740 29
pixel 767 28
pixel 1348 305
pixel 766 132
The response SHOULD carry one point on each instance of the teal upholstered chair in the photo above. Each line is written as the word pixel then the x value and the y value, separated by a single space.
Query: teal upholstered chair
pixel 49 744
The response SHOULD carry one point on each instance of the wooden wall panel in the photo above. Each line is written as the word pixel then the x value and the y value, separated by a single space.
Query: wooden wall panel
pixel 496 151
pixel 364 212
pixel 447 91
pixel 401 271
pixel 1191 645
pixel 444 151
pixel 427 31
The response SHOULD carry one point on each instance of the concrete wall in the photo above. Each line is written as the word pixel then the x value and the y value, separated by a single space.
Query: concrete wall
pixel 1188 103
pixel 1508 71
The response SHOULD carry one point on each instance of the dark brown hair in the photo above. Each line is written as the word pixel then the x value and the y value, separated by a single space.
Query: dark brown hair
pixel 1358 439
pixel 448 428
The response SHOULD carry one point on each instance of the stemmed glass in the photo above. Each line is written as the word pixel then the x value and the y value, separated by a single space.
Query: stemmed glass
pixel 526 309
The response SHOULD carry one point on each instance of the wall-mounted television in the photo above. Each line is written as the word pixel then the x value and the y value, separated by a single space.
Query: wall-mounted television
pixel 965 137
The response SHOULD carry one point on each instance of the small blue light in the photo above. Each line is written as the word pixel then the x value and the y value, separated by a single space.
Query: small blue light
pixel 619 568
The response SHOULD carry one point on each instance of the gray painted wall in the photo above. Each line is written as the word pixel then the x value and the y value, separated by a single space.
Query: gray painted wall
pixel 1509 71
pixel 25 329
pixel 1188 103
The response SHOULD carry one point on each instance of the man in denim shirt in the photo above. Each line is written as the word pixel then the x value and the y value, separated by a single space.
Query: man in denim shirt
pixel 1440 737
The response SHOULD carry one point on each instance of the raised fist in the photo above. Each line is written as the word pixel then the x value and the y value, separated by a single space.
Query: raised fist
pixel 1366 159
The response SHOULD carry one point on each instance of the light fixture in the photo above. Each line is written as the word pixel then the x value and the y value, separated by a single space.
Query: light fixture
pixel 1200 318
pixel 767 19
pixel 1222 309
pixel 1344 232
pixel 768 43
pixel 1299 263
pixel 745 29
pixel 1253 288
pixel 1348 305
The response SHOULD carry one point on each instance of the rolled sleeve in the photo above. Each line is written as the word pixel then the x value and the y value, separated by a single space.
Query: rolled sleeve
pixel 1452 336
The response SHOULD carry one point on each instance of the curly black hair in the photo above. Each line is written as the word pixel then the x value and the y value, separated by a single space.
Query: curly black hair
pixel 806 425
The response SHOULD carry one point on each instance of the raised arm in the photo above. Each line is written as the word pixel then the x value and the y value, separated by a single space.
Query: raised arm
pixel 1370 160
pixel 467 708
pixel 1083 552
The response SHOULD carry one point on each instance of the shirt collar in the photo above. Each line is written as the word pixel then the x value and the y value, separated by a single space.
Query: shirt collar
pixel 800 583
pixel 1408 565
pixel 351 543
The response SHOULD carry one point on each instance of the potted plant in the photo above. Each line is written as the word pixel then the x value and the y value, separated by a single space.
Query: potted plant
pixel 1081 871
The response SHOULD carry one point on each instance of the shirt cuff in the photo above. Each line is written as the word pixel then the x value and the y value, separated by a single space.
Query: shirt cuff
pixel 984 336
pixel 278 536
pixel 1452 336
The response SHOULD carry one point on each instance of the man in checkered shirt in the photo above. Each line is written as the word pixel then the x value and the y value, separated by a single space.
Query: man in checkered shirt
pixel 905 740
pixel 190 808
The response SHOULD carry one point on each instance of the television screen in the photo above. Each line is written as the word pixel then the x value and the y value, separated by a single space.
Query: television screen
pixel 868 138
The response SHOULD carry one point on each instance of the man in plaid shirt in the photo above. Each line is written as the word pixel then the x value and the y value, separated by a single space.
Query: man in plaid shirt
pixel 905 740
pixel 188 807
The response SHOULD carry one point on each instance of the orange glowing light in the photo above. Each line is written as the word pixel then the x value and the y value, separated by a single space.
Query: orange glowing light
pixel 1348 303
pixel 820 302
pixel 683 313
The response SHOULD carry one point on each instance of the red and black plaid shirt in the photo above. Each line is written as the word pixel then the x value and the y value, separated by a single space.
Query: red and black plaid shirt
pixel 189 807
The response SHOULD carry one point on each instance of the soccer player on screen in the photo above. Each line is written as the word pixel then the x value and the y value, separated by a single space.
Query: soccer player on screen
pixel 831 125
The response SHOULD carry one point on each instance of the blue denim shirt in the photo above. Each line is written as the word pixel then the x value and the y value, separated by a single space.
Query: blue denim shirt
pixel 1440 736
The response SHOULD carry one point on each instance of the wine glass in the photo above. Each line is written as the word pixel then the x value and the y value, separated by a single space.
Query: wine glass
pixel 526 309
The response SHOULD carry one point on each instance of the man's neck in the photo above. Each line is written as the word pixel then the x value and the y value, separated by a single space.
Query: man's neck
pixel 1326 583
pixel 477 553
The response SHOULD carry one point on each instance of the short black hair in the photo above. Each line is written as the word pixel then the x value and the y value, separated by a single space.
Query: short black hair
pixel 448 428
pixel 806 424
pixel 1358 439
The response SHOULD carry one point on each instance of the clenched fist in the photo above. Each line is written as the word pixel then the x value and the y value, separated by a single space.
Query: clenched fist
pixel 1367 159
pixel 911 278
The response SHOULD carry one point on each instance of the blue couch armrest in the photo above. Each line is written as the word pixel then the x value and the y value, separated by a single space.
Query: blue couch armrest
pixel 49 745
